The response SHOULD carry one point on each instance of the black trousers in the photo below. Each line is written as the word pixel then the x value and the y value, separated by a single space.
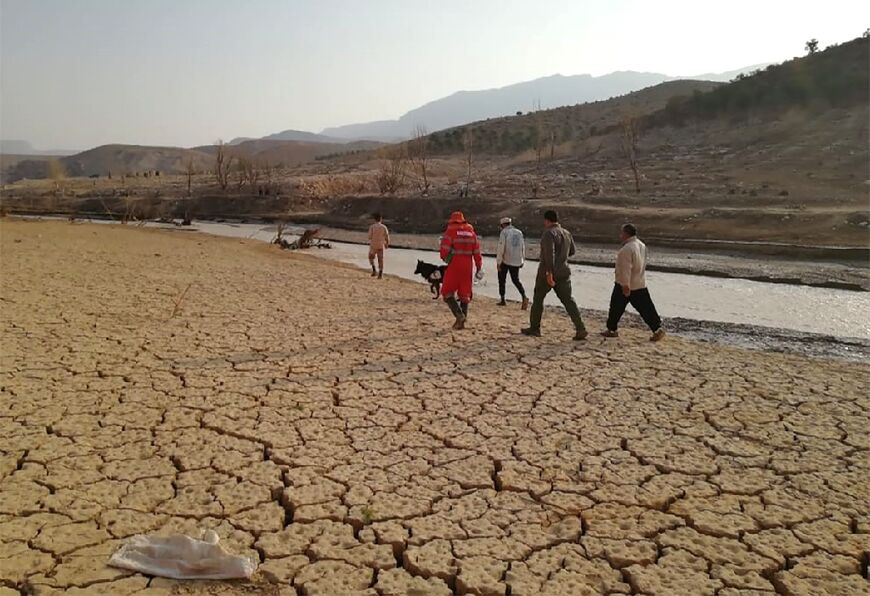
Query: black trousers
pixel 515 278
pixel 642 303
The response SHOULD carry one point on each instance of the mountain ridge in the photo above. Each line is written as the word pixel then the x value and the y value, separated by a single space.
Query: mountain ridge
pixel 551 91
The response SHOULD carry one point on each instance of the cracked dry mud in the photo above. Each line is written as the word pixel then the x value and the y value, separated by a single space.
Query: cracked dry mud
pixel 330 427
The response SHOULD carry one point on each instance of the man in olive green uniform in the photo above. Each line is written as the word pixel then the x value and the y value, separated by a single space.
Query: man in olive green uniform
pixel 554 274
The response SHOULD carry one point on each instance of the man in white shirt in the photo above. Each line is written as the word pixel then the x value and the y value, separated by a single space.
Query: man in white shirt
pixel 630 287
pixel 509 258
pixel 379 241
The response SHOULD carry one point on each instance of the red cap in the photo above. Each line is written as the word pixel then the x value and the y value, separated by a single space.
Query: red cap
pixel 457 218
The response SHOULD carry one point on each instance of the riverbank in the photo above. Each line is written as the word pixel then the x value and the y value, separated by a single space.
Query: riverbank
pixel 764 316
pixel 847 274
pixel 782 264
pixel 333 429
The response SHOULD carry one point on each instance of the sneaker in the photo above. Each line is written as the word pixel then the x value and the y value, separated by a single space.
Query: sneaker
pixel 581 335
pixel 460 323
pixel 609 333
pixel 531 332
pixel 501 303
pixel 525 304
pixel 658 335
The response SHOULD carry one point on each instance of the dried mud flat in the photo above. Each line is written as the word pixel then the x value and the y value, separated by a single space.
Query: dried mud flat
pixel 326 425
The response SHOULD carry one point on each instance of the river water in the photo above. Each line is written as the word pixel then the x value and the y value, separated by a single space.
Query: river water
pixel 824 311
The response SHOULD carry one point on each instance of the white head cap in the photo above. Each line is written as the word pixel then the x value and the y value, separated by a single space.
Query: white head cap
pixel 505 220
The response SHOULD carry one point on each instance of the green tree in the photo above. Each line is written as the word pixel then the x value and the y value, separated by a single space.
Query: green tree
pixel 812 46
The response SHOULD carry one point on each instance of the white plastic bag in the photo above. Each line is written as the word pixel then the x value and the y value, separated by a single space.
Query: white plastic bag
pixel 181 557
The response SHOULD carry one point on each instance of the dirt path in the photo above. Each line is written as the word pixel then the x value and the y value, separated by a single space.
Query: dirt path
pixel 326 425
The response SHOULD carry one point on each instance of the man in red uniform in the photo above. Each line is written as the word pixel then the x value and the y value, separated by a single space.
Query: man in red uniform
pixel 459 249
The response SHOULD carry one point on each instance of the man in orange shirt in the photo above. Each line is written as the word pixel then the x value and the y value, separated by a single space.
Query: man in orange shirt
pixel 379 241
pixel 460 249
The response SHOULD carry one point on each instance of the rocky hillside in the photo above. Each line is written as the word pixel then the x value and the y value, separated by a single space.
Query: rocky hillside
pixel 514 134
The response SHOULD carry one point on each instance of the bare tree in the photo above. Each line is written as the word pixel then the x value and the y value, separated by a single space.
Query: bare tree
pixel 189 171
pixel 469 150
pixel 223 162
pixel 249 171
pixel 539 146
pixel 391 176
pixel 419 155
pixel 268 171
pixel 239 170
pixel 630 136
pixel 540 139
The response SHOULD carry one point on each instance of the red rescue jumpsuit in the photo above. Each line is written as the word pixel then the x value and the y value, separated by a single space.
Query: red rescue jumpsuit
pixel 460 248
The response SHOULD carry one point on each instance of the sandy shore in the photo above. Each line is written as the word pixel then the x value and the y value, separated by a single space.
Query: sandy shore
pixel 326 425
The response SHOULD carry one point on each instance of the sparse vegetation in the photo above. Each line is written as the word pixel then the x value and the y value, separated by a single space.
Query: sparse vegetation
pixel 838 77
pixel 469 153
pixel 710 164
pixel 57 173
pixel 222 165
pixel 391 175
pixel 418 150
pixel 189 171
pixel 630 136
pixel 336 185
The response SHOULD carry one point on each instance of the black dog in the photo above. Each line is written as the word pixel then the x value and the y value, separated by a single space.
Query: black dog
pixel 434 274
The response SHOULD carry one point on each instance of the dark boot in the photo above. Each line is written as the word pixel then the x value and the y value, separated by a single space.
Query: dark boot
pixel 460 323
pixel 457 312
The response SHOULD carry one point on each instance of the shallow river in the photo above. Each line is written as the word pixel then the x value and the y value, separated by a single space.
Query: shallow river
pixel 839 313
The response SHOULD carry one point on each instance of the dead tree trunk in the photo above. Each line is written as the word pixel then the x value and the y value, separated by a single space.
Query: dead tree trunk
pixel 630 135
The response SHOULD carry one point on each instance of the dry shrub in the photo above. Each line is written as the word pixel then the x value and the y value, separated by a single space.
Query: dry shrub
pixel 335 185
pixel 391 175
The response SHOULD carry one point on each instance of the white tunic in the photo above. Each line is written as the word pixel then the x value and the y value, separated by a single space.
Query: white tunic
pixel 631 264
pixel 511 248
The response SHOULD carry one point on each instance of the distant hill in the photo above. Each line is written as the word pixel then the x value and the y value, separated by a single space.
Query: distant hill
pixel 115 160
pixel 301 135
pixel 514 134
pixel 294 135
pixel 122 159
pixel 19 147
pixel 544 93
pixel 289 153
pixel 130 159
pixel 839 76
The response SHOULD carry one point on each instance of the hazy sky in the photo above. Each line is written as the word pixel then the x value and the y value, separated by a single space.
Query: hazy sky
pixel 79 73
